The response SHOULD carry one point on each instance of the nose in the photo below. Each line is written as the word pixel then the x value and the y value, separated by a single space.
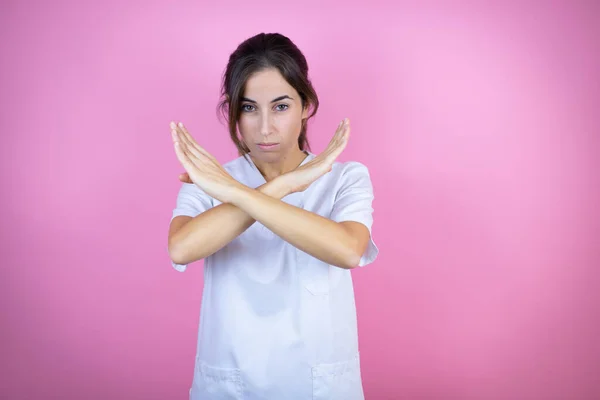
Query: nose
pixel 265 125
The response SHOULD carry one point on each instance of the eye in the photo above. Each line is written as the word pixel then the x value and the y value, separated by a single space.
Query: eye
pixel 245 109
pixel 282 105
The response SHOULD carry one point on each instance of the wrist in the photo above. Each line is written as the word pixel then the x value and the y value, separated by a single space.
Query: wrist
pixel 277 188
pixel 233 192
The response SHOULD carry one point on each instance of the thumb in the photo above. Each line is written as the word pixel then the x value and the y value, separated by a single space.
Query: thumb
pixel 185 178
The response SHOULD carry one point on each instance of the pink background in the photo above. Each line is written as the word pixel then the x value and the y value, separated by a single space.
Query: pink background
pixel 479 125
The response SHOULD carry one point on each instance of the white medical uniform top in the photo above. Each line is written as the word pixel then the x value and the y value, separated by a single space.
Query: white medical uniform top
pixel 275 322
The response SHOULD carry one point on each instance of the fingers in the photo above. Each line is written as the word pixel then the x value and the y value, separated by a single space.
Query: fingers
pixel 200 157
pixel 340 137
pixel 339 142
pixel 344 132
pixel 339 131
pixel 183 157
pixel 191 142
pixel 186 142
pixel 188 138
pixel 197 155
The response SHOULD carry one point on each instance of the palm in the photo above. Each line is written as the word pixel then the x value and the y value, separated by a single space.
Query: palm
pixel 201 167
pixel 302 177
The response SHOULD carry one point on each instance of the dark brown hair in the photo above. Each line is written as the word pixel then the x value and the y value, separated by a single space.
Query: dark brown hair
pixel 263 51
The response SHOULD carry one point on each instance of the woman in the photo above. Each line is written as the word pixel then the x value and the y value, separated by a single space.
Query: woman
pixel 279 228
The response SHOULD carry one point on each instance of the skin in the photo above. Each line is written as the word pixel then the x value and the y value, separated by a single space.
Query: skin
pixel 264 119
pixel 339 244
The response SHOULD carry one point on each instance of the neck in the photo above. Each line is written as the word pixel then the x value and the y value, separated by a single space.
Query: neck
pixel 283 165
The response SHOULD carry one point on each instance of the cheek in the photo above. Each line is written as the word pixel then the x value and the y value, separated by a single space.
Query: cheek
pixel 245 126
pixel 290 124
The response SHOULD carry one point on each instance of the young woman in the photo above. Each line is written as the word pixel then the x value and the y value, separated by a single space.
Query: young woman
pixel 279 229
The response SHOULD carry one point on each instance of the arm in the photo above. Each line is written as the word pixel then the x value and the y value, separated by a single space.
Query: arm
pixel 340 244
pixel 337 243
pixel 205 234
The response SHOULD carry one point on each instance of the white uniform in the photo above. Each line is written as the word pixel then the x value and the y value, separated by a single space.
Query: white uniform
pixel 275 322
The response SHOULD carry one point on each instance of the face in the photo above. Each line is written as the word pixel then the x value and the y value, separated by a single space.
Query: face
pixel 271 116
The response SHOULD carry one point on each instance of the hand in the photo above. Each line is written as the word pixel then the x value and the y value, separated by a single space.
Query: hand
pixel 302 177
pixel 201 167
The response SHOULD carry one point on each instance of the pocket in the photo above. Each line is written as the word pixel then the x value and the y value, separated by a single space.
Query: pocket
pixel 338 381
pixel 313 273
pixel 216 383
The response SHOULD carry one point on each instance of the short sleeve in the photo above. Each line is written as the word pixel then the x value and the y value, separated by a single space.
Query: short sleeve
pixel 353 202
pixel 191 202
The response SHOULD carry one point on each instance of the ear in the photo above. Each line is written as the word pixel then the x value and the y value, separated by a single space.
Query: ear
pixel 305 111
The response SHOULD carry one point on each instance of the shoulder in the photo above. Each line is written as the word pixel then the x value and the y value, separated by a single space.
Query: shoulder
pixel 237 164
pixel 344 177
pixel 350 170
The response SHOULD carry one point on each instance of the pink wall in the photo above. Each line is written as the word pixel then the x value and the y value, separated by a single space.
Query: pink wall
pixel 480 128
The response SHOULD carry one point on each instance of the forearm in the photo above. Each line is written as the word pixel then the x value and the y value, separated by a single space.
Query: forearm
pixel 210 231
pixel 318 236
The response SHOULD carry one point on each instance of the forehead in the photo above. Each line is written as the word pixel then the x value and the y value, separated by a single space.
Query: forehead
pixel 265 85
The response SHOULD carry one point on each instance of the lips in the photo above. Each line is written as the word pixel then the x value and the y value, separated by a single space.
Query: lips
pixel 268 146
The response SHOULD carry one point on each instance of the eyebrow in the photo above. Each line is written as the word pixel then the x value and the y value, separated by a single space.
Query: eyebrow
pixel 285 96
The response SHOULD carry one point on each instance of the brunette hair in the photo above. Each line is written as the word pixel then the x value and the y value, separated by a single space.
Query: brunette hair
pixel 263 51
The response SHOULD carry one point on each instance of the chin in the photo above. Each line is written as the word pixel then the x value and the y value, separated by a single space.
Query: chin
pixel 265 155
